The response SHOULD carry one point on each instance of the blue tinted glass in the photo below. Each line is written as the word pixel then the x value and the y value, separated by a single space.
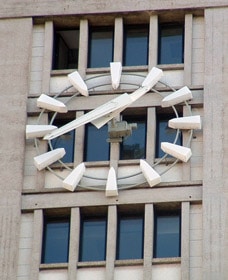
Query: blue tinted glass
pixel 130 238
pixel 167 237
pixel 134 146
pixel 136 46
pixel 65 141
pixel 93 240
pixel 165 134
pixel 56 240
pixel 171 45
pixel 100 48
pixel 96 146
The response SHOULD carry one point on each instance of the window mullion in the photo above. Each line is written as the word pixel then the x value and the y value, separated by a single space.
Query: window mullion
pixel 188 50
pixel 118 40
pixel 111 242
pixel 151 135
pixel 153 41
pixel 148 241
pixel 74 242
pixel 79 141
pixel 83 47
pixel 185 240
pixel 37 243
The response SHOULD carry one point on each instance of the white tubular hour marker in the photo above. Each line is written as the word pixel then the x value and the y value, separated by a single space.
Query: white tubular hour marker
pixel 152 177
pixel 48 158
pixel 179 152
pixel 116 70
pixel 78 83
pixel 49 103
pixel 72 180
pixel 177 97
pixel 36 131
pixel 111 185
pixel 192 122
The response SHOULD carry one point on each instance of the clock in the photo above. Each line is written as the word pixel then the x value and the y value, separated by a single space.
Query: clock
pixel 104 114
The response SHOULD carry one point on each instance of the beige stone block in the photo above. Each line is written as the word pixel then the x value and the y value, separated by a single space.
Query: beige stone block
pixel 24 256
pixel 196 249
pixel 38 51
pixel 23 271
pixel 197 43
pixel 196 262
pixel 197 173
pixel 36 63
pixel 35 75
pixel 196 209
pixel 35 88
pixel 196 221
pixel 25 243
pixel 196 273
pixel 38 38
pixel 196 234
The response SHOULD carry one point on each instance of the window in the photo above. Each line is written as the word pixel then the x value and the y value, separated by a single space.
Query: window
pixel 96 145
pixel 130 237
pixel 66 44
pixel 171 44
pixel 100 47
pixel 134 146
pixel 167 234
pixel 136 45
pixel 56 240
pixel 65 141
pixel 165 133
pixel 93 239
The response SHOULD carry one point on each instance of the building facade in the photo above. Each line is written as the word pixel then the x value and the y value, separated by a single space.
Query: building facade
pixel 130 210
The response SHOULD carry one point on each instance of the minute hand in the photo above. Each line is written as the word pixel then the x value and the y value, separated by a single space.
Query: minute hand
pixel 107 111
pixel 103 110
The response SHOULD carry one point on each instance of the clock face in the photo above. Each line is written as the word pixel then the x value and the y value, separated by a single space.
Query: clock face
pixel 107 114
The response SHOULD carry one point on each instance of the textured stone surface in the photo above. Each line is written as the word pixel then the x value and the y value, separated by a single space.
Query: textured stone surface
pixel 14 66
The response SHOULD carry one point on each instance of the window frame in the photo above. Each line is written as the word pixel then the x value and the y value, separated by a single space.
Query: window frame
pixel 170 25
pixel 125 216
pixel 56 54
pixel 166 213
pixel 99 29
pixel 86 157
pixel 56 220
pixel 88 218
pixel 131 27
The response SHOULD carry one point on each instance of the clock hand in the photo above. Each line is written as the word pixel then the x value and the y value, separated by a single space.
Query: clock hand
pixel 151 79
pixel 115 104
pixel 102 114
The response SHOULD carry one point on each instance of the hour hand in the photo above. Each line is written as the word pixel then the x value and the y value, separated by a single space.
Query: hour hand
pixel 112 107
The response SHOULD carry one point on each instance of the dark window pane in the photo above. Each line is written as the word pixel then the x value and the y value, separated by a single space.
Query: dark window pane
pixel 135 45
pixel 167 236
pixel 165 134
pixel 134 146
pixel 66 44
pixel 56 240
pixel 130 238
pixel 93 240
pixel 100 47
pixel 65 141
pixel 96 145
pixel 171 44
